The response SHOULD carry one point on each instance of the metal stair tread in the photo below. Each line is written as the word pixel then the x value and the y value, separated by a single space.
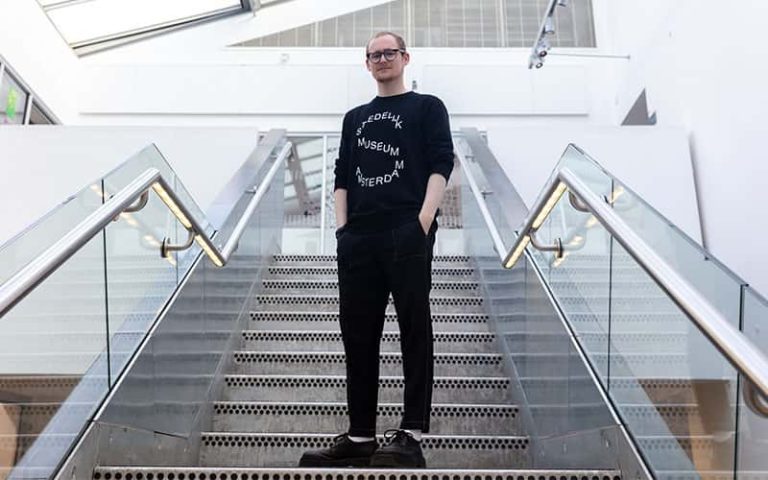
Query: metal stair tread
pixel 435 405
pixel 386 336
pixel 334 316
pixel 383 378
pixel 332 284
pixel 259 473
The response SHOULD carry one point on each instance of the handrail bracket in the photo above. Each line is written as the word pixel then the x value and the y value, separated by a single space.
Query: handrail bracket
pixel 556 247
pixel 166 248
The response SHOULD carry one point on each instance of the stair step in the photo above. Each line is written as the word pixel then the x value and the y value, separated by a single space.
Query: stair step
pixel 331 272
pixel 284 450
pixel 16 446
pixel 334 363
pixel 556 364
pixel 666 452
pixel 332 388
pixel 711 475
pixel 625 390
pixel 294 417
pixel 38 388
pixel 305 260
pixel 324 340
pixel 293 320
pixel 620 303
pixel 656 390
pixel 659 419
pixel 286 287
pixel 113 473
pixel 626 343
pixel 330 303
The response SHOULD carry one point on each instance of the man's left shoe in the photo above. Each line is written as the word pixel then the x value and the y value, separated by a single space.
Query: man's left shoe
pixel 401 451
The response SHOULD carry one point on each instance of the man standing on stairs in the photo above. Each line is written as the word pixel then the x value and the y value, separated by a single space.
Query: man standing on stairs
pixel 395 158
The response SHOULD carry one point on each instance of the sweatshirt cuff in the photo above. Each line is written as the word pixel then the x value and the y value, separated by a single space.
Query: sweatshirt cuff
pixel 444 170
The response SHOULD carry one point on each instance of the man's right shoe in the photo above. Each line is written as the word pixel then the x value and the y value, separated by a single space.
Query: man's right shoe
pixel 343 453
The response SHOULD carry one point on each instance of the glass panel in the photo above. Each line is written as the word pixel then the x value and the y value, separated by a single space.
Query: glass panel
pixel 56 344
pixel 25 246
pixel 13 101
pixel 82 21
pixel 139 280
pixel 674 390
pixel 719 285
pixel 752 438
pixel 581 280
pixel 174 373
pixel 53 346
pixel 565 414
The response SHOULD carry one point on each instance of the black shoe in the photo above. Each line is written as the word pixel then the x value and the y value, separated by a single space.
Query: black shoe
pixel 343 453
pixel 401 451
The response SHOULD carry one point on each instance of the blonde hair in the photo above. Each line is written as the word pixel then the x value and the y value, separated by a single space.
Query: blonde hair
pixel 400 41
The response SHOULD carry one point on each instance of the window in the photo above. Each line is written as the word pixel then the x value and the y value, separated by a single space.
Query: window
pixel 18 104
pixel 445 24
pixel 83 23
pixel 13 101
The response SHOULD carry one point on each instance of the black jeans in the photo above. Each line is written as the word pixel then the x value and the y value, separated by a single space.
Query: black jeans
pixel 371 265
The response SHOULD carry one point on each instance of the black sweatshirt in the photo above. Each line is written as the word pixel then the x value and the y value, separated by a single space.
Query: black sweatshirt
pixel 389 148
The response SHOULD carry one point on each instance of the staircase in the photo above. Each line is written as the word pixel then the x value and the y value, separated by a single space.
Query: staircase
pixel 284 391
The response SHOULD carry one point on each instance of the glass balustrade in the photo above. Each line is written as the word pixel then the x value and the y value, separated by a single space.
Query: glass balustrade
pixel 569 424
pixel 64 345
pixel 675 393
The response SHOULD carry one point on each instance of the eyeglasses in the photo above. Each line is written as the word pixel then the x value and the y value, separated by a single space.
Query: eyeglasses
pixel 389 54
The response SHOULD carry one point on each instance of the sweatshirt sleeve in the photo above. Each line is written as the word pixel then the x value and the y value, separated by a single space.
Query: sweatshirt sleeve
pixel 341 171
pixel 439 145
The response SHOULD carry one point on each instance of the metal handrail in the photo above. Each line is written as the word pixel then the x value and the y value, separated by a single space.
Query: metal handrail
pixel 731 342
pixel 23 282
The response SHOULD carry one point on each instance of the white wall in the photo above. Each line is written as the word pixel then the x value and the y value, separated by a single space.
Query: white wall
pixel 56 162
pixel 703 65
pixel 303 89
pixel 33 47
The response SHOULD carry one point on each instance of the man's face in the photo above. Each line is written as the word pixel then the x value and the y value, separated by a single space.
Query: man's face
pixel 386 70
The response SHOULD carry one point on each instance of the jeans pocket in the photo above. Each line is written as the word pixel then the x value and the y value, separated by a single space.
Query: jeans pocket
pixel 410 240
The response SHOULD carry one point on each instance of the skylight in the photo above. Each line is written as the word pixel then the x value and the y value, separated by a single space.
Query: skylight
pixel 87 22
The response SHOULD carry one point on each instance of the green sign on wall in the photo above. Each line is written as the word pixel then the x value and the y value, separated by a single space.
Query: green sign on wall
pixel 10 108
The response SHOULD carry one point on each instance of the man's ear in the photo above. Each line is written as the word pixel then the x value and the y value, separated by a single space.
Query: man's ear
pixel 368 64
pixel 406 58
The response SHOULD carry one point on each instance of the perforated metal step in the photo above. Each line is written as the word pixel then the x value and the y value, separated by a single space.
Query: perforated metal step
pixel 330 303
pixel 309 259
pixel 284 450
pixel 332 388
pixel 294 320
pixel 200 473
pixel 629 343
pixel 323 340
pixel 300 417
pixel 334 363
pixel 15 446
pixel 318 286
pixel 666 450
pixel 331 272
pixel 536 364
pixel 661 419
